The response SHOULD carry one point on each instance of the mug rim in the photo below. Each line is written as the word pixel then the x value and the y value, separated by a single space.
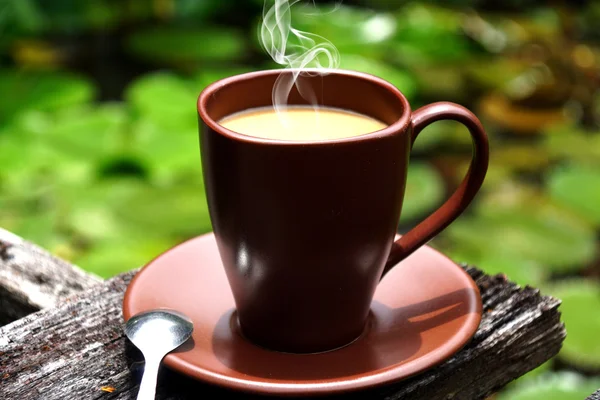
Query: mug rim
pixel 399 126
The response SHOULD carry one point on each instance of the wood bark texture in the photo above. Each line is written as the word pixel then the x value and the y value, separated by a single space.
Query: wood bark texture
pixel 77 350
pixel 31 279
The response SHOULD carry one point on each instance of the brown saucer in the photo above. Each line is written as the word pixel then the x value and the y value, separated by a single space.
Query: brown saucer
pixel 425 309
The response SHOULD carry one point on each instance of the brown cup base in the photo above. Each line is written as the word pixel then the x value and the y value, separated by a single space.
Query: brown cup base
pixel 237 328
pixel 424 310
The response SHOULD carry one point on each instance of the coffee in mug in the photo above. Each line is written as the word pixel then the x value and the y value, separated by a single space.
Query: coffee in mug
pixel 301 123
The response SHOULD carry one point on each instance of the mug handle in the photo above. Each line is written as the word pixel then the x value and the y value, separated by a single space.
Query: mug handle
pixel 465 193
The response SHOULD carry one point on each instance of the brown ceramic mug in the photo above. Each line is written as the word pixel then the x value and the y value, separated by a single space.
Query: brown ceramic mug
pixel 306 229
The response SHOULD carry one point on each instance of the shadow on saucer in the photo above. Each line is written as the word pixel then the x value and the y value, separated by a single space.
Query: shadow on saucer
pixel 393 336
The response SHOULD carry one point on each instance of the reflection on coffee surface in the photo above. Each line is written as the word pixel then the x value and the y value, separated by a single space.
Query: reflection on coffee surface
pixel 301 123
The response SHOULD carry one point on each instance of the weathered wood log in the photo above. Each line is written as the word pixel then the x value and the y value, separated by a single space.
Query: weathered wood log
pixel 31 279
pixel 77 350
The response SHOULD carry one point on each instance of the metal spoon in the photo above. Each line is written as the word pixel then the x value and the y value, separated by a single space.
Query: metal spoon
pixel 156 333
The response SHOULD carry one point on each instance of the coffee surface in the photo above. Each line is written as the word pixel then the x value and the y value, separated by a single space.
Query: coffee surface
pixel 301 123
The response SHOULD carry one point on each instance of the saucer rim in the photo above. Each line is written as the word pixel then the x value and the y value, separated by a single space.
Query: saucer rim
pixel 338 385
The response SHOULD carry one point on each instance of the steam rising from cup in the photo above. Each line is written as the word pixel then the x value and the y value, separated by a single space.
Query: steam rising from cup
pixel 306 53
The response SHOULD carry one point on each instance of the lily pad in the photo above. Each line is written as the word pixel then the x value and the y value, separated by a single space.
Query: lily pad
pixel 499 110
pixel 39 227
pixel 567 142
pixel 124 208
pixel 440 81
pixel 545 368
pixel 552 386
pixel 445 132
pixel 167 154
pixel 429 35
pixel 21 16
pixel 580 298
pixel 507 161
pixel 497 174
pixel 207 76
pixel 401 79
pixel 520 158
pixel 19 134
pixel 521 271
pixel 498 32
pixel 352 30
pixel 86 210
pixel 41 90
pixel 165 99
pixel 578 188
pixel 192 10
pixel 89 133
pixel 532 229
pixel 424 191
pixel 110 258
pixel 32 161
pixel 497 73
pixel 178 211
pixel 184 45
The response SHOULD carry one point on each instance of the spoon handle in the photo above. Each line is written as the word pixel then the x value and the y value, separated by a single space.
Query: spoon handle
pixel 148 385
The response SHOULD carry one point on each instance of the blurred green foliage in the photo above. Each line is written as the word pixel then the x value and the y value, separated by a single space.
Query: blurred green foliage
pixel 560 386
pixel 99 151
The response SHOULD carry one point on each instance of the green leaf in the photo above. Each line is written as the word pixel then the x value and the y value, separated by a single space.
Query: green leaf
pixel 186 45
pixel 176 211
pixel 573 144
pixel 102 14
pixel 23 16
pixel 553 386
pixel 445 131
pixel 520 158
pixel 39 90
pixel 165 99
pixel 165 153
pixel 532 229
pixel 32 161
pixel 580 300
pixel 37 226
pixel 89 133
pixel 517 269
pixel 495 73
pixel 207 76
pixel 424 191
pixel 20 134
pixel 397 77
pixel 131 207
pixel 193 10
pixel 429 35
pixel 440 81
pixel 578 188
pixel 545 368
pixel 110 258
pixel 351 30
pixel 62 148
pixel 426 21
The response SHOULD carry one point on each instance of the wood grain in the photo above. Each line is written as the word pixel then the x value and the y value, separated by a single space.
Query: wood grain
pixel 77 350
pixel 31 279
